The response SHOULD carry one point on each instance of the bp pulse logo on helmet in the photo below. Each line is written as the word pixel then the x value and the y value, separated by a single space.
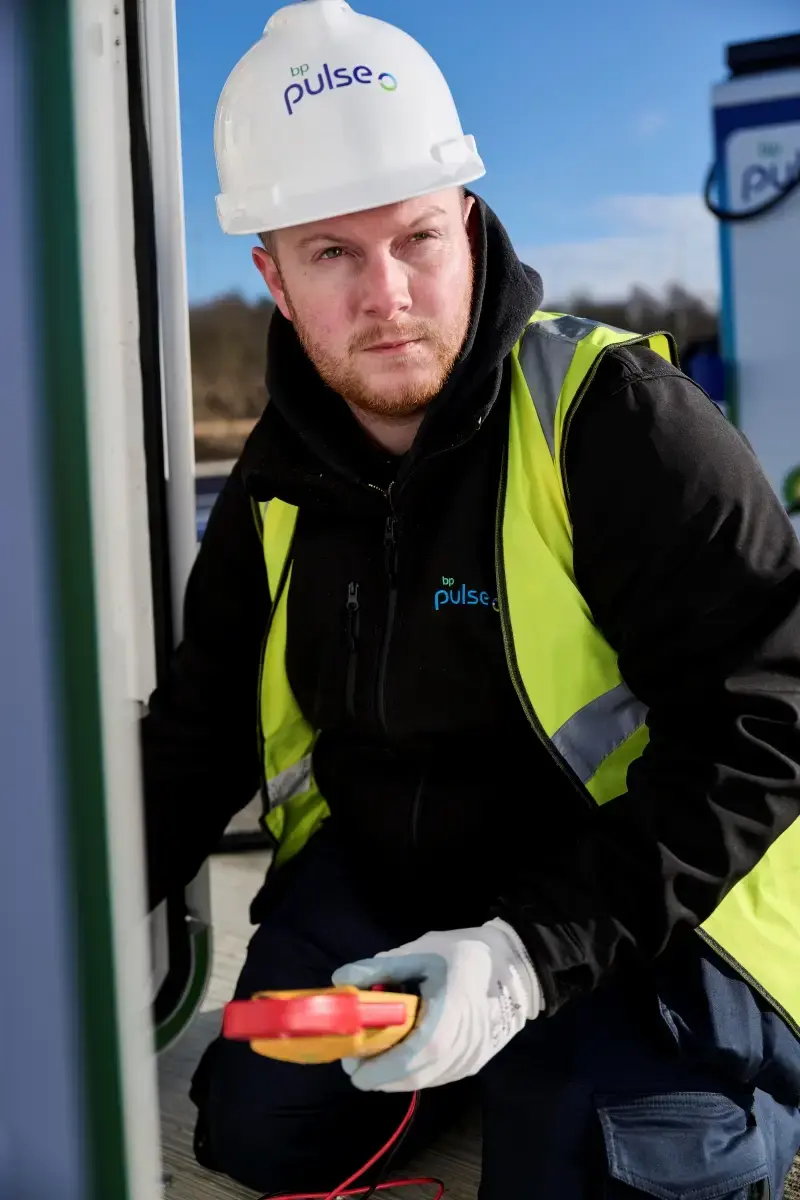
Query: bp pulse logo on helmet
pixel 330 80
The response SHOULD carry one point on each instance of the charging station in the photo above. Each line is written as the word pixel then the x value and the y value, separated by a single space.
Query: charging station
pixel 756 177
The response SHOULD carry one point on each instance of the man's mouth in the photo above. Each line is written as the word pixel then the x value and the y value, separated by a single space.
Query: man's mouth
pixel 392 346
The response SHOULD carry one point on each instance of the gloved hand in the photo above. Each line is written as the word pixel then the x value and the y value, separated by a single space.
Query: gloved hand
pixel 478 988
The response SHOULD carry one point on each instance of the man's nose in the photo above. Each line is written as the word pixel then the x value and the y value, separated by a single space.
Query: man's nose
pixel 385 287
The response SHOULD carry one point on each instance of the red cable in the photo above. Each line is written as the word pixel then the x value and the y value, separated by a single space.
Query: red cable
pixel 342 1189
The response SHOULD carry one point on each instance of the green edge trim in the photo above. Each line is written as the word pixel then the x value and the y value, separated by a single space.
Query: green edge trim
pixel 65 455
pixel 176 1022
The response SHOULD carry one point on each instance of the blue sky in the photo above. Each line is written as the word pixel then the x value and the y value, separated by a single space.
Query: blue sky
pixel 593 121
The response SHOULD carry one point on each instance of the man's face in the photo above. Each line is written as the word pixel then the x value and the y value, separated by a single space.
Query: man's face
pixel 380 300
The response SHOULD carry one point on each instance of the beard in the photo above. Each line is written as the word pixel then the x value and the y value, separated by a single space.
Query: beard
pixel 405 385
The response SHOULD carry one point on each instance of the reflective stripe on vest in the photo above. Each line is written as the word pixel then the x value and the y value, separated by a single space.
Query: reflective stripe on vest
pixel 546 361
pixel 590 736
pixel 563 669
pixel 294 781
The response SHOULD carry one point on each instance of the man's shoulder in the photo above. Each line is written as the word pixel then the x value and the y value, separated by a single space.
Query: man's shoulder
pixel 626 365
pixel 622 364
pixel 639 406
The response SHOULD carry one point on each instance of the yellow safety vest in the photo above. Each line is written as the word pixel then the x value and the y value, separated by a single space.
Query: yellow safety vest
pixel 568 681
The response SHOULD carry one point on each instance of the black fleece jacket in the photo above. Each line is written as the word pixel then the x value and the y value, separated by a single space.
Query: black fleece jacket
pixel 448 803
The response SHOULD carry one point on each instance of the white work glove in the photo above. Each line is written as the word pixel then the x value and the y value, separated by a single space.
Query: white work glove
pixel 478 988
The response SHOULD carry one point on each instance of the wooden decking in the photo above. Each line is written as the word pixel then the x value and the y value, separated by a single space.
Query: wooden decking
pixel 234 881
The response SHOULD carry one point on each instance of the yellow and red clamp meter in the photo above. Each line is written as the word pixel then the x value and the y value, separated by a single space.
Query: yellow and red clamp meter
pixel 321 1025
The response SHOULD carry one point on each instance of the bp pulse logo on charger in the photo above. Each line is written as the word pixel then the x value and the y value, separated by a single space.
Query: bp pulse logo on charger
pixel 329 80
pixel 762 163
pixel 776 169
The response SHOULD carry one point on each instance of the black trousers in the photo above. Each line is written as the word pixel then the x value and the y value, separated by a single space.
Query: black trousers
pixel 650 1088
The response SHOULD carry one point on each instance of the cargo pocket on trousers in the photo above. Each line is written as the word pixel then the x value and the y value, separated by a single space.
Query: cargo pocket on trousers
pixel 683 1146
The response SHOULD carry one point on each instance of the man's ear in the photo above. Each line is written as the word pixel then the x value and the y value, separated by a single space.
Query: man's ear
pixel 470 219
pixel 267 268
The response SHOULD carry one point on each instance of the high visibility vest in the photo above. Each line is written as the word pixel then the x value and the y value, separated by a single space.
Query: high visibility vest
pixel 564 671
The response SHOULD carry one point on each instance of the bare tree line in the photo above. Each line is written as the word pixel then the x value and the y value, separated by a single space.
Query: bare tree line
pixel 229 334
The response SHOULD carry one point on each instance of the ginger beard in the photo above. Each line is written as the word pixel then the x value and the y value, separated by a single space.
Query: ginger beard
pixel 397 384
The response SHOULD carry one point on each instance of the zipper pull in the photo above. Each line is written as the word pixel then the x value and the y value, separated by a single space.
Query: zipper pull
pixel 352 615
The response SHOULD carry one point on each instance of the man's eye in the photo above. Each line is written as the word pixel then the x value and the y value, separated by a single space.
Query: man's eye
pixel 332 252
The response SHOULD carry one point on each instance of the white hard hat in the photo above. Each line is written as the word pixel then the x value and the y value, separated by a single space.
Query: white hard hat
pixel 333 112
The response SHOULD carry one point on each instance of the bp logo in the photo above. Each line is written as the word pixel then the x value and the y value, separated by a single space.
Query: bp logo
pixel 458 593
pixel 330 80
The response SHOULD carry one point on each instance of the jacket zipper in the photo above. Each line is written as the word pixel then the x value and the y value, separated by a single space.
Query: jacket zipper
pixel 353 624
pixel 390 561
pixel 390 552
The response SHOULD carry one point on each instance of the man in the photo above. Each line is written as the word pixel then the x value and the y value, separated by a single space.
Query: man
pixel 505 618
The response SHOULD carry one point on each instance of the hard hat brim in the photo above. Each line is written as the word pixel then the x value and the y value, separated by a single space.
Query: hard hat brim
pixel 271 209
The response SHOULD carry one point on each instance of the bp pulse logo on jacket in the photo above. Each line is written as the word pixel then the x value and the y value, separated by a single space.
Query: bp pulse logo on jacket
pixel 328 80
pixel 453 593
